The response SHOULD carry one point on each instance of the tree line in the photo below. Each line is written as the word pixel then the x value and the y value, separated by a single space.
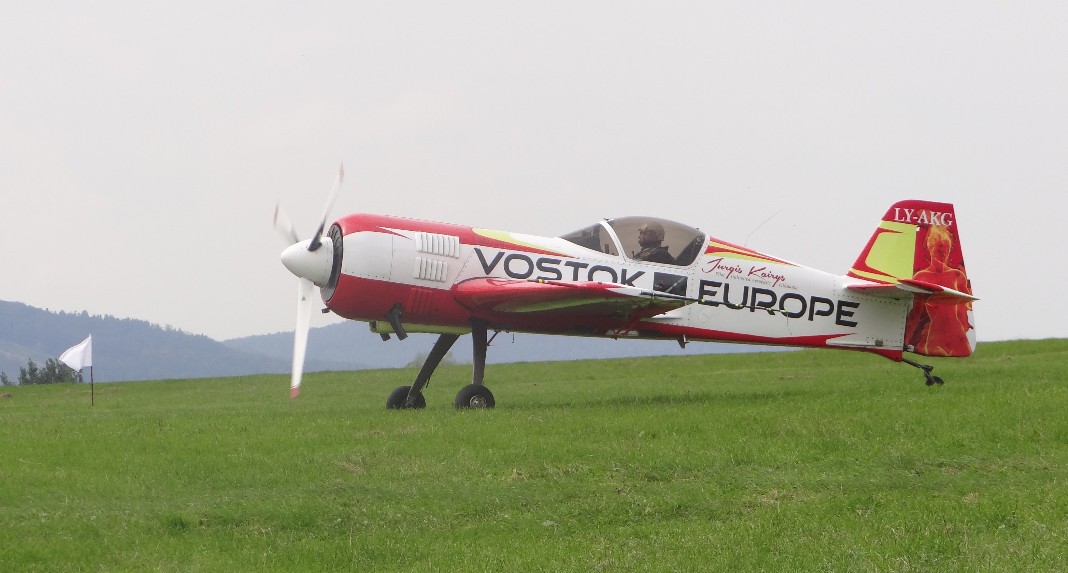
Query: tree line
pixel 53 372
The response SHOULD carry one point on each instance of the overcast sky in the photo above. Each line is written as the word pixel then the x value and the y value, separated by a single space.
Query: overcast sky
pixel 144 145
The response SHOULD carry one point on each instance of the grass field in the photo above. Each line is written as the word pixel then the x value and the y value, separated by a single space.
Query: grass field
pixel 799 461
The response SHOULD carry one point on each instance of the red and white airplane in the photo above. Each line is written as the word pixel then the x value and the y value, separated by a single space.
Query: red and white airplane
pixel 632 277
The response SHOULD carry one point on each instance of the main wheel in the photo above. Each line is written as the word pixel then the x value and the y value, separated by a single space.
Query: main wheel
pixel 398 399
pixel 474 396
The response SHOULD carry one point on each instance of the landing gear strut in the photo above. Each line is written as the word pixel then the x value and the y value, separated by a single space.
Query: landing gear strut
pixel 474 395
pixel 931 378
pixel 411 397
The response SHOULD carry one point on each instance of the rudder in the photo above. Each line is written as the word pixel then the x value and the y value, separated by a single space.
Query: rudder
pixel 917 243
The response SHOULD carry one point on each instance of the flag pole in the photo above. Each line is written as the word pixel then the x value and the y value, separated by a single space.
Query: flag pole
pixel 79 356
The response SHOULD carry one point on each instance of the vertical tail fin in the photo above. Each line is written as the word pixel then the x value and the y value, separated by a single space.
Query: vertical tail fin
pixel 917 244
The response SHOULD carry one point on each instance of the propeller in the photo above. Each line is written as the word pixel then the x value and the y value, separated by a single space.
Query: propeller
pixel 284 225
pixel 316 239
pixel 311 263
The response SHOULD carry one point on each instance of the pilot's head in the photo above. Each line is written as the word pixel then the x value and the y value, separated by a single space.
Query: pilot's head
pixel 650 235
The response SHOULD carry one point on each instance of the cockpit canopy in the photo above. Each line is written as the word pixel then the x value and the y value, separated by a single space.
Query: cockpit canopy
pixel 620 236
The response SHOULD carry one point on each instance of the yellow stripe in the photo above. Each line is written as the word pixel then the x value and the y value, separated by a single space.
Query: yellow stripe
pixel 507 237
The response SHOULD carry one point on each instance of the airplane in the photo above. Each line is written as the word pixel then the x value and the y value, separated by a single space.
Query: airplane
pixel 629 278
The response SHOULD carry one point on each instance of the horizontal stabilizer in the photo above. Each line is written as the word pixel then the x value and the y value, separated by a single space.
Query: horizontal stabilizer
pixel 936 293
pixel 940 291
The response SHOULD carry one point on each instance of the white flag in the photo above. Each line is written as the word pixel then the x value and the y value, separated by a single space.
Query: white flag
pixel 79 355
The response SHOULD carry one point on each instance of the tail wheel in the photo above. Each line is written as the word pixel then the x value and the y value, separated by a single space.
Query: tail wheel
pixel 474 396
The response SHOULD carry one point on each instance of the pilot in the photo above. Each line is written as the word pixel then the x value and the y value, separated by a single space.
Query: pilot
pixel 650 235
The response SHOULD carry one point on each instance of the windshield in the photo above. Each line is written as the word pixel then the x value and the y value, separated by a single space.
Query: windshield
pixel 644 239
pixel 595 237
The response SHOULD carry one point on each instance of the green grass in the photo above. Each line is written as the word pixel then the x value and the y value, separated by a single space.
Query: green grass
pixel 801 461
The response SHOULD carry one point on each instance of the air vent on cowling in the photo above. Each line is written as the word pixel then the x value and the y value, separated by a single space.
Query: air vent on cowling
pixel 436 244
pixel 431 270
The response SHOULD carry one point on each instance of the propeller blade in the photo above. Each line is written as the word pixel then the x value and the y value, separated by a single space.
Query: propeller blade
pixel 284 225
pixel 316 242
pixel 300 333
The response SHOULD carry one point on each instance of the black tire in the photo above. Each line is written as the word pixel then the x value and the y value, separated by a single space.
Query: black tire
pixel 398 400
pixel 474 396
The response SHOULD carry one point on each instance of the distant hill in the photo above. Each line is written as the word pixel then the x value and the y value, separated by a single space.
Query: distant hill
pixel 128 349
pixel 353 345
pixel 123 349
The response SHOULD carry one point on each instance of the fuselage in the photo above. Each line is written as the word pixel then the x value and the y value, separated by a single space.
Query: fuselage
pixel 731 293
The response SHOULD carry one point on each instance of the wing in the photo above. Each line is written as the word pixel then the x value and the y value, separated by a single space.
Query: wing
pixel 545 299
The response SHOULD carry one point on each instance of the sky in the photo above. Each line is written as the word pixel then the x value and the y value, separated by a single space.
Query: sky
pixel 144 146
